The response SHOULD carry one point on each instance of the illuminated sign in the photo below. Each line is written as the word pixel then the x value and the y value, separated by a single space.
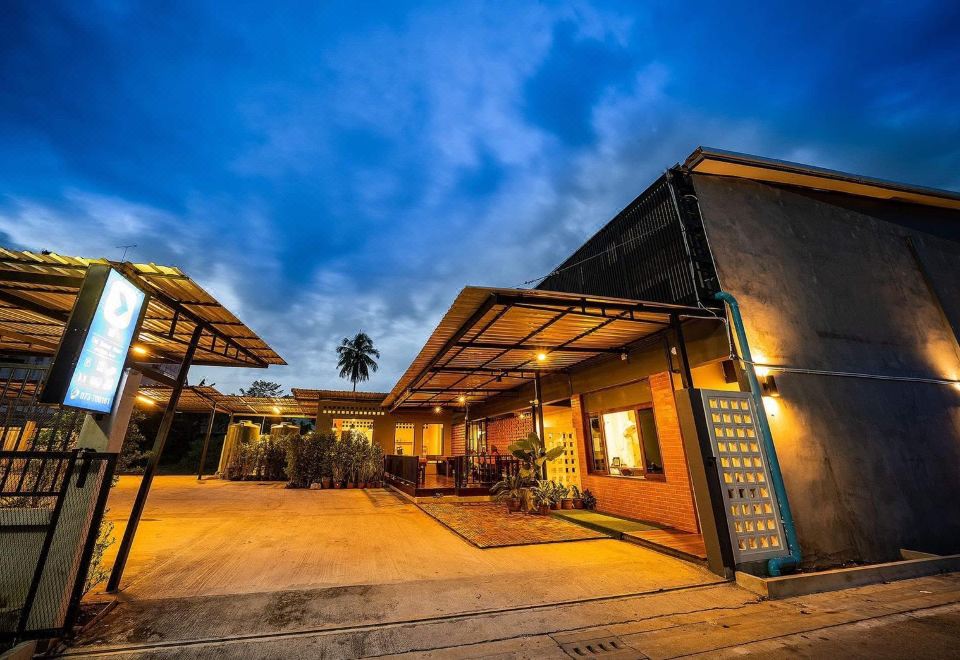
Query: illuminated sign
pixel 105 319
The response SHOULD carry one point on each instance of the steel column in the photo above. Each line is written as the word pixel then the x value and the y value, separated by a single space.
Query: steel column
pixel 685 377
pixel 138 505
pixel 206 442
pixel 538 420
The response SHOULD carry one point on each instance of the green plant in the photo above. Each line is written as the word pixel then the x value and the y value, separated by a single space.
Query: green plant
pixel 589 500
pixel 559 493
pixel 339 460
pixel 542 493
pixel 512 487
pixel 97 572
pixel 533 455
pixel 575 492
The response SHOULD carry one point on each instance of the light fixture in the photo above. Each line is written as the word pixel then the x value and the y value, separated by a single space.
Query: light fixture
pixel 623 356
pixel 541 356
pixel 145 400
pixel 276 411
pixel 437 409
pixel 771 405
pixel 139 350
pixel 462 399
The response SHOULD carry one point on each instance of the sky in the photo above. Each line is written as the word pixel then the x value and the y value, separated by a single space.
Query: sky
pixel 325 167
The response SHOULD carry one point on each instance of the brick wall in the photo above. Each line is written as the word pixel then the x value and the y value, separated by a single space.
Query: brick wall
pixel 668 502
pixel 503 432
pixel 458 446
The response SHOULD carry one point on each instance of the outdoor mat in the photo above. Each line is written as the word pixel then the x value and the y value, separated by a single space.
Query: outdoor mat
pixel 492 526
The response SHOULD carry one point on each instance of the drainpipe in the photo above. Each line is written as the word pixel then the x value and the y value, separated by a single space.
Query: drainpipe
pixel 777 565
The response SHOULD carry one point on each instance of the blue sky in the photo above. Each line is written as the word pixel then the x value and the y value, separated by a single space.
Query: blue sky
pixel 325 167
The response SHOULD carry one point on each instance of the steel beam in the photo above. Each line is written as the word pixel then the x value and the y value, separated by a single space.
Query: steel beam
pixel 123 552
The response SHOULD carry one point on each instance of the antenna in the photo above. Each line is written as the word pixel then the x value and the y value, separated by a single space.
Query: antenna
pixel 125 248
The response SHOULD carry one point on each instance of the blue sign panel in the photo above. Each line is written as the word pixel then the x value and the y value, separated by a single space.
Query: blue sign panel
pixel 96 377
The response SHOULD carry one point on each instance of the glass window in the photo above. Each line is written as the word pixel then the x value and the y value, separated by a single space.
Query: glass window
pixel 626 443
pixel 403 439
pixel 432 439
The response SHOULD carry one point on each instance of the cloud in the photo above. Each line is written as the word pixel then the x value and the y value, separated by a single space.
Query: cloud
pixel 327 170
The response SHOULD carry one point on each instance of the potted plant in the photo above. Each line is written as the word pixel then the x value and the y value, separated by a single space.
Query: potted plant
pixel 513 490
pixel 576 498
pixel 542 493
pixel 589 501
pixel 565 501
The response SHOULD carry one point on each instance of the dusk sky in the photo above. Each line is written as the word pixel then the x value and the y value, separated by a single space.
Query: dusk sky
pixel 324 168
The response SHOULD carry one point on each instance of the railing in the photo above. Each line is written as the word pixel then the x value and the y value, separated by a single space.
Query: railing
pixel 478 471
pixel 404 469
pixel 51 506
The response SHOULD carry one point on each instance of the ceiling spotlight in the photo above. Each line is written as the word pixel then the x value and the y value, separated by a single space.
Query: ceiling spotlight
pixel 437 409
pixel 623 356
pixel 462 399
pixel 276 411
pixel 138 349
pixel 541 356
pixel 145 400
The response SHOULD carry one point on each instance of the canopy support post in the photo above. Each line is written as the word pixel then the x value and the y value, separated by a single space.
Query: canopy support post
pixel 206 442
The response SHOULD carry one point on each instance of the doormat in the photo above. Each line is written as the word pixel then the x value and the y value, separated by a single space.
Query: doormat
pixel 492 526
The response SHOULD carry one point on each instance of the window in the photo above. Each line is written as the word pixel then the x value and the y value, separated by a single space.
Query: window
pixel 477 437
pixel 625 443
pixel 403 439
pixel 432 440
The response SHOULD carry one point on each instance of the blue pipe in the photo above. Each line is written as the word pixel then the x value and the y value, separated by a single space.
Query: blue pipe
pixel 777 565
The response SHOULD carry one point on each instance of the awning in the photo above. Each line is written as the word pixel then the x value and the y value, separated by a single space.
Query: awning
pixel 202 398
pixel 493 340
pixel 37 292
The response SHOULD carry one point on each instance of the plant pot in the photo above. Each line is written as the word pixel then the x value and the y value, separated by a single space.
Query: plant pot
pixel 554 506
pixel 350 484
pixel 513 506
pixel 566 504
pixel 578 503
pixel 544 509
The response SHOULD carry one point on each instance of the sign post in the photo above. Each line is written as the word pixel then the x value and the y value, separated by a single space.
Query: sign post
pixel 90 360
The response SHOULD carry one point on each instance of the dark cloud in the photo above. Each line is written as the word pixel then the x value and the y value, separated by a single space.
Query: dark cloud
pixel 326 168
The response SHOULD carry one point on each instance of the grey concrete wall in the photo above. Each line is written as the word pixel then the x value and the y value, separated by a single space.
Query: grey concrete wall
pixel 828 281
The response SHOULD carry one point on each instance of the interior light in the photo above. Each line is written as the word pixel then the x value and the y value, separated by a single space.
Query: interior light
pixel 145 400
pixel 761 371
pixel 541 356
pixel 437 409
pixel 462 399
pixel 139 350
pixel 276 411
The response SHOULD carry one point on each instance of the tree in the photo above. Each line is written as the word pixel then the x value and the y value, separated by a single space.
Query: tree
pixel 355 358
pixel 263 388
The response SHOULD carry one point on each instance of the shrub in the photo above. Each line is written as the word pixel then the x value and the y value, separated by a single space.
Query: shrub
pixel 589 500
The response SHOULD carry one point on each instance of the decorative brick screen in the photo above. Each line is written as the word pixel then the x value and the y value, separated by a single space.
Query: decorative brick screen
pixel 753 515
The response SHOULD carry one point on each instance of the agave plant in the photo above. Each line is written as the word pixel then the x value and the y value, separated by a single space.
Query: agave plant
pixel 533 455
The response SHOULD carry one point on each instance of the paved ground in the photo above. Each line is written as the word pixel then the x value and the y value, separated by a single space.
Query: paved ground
pixel 911 619
pixel 239 570
pixel 222 558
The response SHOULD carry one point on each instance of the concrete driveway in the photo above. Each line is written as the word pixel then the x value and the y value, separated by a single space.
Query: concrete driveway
pixel 216 558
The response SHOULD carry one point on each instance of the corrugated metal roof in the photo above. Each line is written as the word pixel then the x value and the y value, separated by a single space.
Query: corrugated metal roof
pixel 203 398
pixel 37 292
pixel 489 340
pixel 337 395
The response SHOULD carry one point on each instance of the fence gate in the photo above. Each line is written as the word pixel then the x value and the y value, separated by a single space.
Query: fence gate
pixel 52 498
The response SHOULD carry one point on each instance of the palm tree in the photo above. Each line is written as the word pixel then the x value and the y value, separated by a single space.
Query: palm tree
pixel 354 358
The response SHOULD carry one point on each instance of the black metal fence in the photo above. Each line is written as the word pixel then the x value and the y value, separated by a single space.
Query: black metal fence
pixel 51 506
pixel 654 250
pixel 482 471
pixel 403 469
pixel 52 499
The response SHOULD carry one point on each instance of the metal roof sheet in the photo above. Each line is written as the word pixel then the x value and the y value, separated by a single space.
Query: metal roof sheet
pixel 37 293
pixel 489 340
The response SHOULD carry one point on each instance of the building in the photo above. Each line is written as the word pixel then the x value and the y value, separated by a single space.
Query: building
pixel 844 284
